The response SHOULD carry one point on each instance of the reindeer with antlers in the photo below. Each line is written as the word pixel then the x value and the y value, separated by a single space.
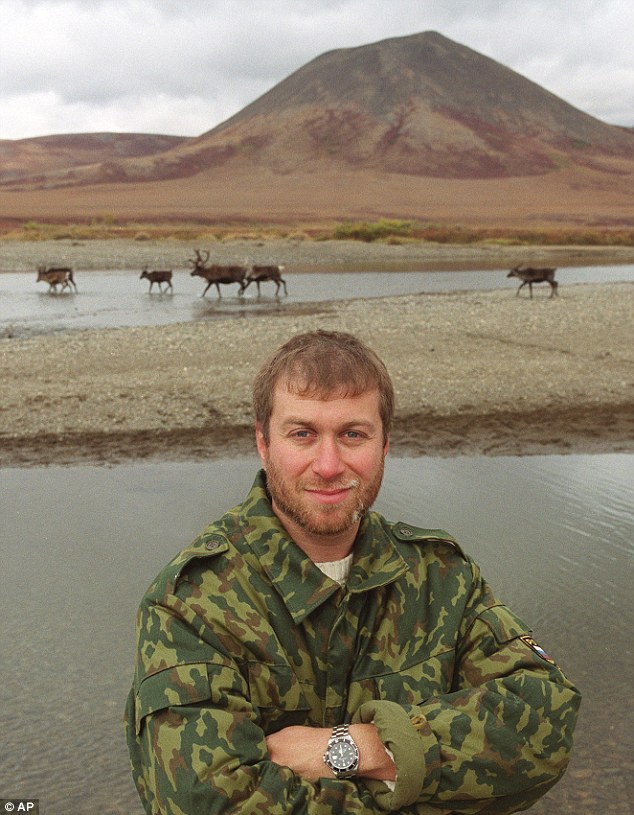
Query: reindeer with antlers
pixel 215 274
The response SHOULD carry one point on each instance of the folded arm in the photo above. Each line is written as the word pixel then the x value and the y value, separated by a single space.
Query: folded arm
pixel 302 749
pixel 197 744
pixel 494 743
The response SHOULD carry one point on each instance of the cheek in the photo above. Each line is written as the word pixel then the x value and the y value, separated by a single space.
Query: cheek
pixel 368 464
pixel 287 461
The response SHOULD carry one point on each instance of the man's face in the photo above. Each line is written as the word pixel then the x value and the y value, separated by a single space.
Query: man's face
pixel 324 459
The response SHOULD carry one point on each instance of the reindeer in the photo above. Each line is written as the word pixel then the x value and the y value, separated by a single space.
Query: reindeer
pixel 215 275
pixel 159 277
pixel 528 275
pixel 259 274
pixel 56 276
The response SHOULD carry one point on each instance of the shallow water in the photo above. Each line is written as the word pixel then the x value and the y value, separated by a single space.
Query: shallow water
pixel 119 298
pixel 554 536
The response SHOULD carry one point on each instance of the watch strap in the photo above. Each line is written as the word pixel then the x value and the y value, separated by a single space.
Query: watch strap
pixel 340 731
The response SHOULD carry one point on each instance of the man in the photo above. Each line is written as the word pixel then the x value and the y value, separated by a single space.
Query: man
pixel 305 655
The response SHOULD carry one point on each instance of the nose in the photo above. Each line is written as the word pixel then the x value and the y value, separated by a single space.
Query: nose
pixel 327 462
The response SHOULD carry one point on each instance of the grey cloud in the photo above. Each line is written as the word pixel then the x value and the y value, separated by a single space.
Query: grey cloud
pixel 96 59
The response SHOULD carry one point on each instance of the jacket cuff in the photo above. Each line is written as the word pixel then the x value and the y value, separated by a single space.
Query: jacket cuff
pixel 415 750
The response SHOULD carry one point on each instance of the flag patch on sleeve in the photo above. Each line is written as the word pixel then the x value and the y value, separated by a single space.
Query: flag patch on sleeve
pixel 537 648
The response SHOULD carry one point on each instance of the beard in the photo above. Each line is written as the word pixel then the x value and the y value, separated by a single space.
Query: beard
pixel 292 500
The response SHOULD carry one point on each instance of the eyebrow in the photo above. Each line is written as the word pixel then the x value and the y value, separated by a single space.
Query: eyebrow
pixel 299 420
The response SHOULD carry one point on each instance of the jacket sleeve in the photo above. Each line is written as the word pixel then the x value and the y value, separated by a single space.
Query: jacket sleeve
pixel 498 740
pixel 194 737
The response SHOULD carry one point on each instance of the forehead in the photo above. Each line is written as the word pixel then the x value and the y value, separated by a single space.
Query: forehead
pixel 289 402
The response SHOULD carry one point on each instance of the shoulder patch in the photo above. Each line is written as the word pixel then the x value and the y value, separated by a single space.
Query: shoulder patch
pixel 407 532
pixel 537 648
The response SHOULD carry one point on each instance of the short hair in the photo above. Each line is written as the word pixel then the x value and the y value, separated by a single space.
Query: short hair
pixel 319 364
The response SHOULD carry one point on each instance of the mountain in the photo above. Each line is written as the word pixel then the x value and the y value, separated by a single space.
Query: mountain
pixel 420 105
pixel 397 127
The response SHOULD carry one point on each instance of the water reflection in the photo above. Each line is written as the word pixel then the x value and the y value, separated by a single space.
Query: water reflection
pixel 553 536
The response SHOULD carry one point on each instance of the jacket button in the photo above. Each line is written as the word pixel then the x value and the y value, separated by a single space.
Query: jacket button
pixel 213 543
pixel 405 532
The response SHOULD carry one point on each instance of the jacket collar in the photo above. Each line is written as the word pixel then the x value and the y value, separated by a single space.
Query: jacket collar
pixel 302 585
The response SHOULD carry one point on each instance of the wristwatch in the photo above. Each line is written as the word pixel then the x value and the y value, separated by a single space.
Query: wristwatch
pixel 342 754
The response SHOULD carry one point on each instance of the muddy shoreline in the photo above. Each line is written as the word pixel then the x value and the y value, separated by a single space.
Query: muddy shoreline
pixel 476 373
pixel 496 434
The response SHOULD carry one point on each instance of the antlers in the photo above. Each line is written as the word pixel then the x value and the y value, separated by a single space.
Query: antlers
pixel 199 260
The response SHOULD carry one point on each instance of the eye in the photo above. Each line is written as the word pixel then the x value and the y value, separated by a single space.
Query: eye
pixel 300 434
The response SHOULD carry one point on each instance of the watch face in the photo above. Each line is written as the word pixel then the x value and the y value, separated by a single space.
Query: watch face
pixel 343 755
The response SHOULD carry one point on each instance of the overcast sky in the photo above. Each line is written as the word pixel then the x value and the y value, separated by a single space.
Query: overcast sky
pixel 181 67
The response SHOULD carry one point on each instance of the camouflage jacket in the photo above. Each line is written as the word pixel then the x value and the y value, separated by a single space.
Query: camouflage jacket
pixel 242 635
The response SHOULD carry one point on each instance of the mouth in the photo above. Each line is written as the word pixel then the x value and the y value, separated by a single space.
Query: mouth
pixel 333 494
pixel 329 496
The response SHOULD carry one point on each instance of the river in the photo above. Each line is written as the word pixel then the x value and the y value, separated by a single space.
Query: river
pixel 108 299
pixel 554 536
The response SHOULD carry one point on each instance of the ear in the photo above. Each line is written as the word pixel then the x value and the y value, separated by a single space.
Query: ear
pixel 386 447
pixel 260 443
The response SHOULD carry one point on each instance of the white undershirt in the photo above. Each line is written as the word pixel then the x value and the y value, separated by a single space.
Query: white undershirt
pixel 337 570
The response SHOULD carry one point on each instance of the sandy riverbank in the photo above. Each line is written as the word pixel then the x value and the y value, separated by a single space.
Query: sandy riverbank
pixel 475 373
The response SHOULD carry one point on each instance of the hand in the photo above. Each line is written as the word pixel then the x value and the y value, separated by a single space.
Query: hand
pixel 302 750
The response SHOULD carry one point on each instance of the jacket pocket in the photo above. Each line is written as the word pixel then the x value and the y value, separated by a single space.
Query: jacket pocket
pixel 179 685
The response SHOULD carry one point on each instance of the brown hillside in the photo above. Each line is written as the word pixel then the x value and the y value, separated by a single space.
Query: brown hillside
pixel 49 156
pixel 570 198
